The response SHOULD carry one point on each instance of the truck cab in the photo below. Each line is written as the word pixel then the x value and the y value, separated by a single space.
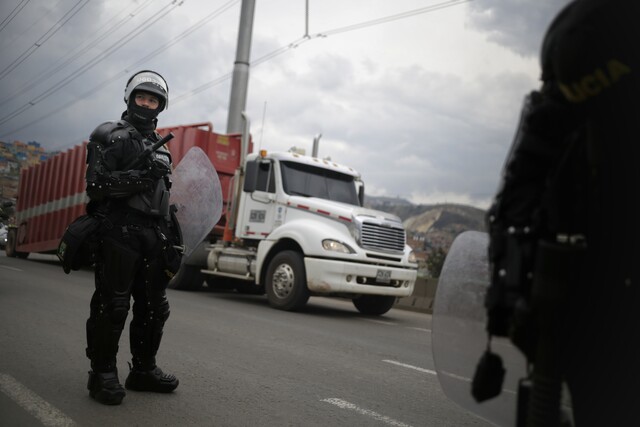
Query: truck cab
pixel 301 230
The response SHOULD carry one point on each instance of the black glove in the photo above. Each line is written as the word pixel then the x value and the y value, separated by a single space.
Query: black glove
pixel 159 165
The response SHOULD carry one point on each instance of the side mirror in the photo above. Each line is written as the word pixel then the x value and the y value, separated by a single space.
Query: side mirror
pixel 361 193
pixel 251 176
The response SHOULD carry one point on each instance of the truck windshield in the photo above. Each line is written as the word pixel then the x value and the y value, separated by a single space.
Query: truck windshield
pixel 305 180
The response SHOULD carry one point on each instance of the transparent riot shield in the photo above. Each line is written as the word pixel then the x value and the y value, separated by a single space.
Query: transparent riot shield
pixel 197 194
pixel 459 336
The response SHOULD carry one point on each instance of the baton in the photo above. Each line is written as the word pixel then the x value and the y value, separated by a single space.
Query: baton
pixel 147 151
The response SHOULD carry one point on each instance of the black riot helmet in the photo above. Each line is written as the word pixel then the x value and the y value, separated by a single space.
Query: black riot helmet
pixel 147 81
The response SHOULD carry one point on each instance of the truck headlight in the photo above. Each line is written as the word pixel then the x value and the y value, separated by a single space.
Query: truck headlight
pixel 335 246
pixel 412 257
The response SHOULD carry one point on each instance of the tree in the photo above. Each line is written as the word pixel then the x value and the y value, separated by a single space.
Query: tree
pixel 435 261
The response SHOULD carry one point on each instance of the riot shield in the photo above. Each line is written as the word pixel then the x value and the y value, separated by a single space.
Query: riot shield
pixel 197 194
pixel 459 336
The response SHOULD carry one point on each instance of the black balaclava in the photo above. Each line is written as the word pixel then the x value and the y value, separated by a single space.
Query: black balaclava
pixel 145 119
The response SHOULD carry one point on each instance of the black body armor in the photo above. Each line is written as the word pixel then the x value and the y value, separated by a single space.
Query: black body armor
pixel 139 246
pixel 112 147
pixel 565 276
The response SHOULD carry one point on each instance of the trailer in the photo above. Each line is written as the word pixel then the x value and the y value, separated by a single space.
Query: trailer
pixel 293 226
pixel 52 194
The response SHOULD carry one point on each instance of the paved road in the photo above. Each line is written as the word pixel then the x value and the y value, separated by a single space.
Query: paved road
pixel 240 363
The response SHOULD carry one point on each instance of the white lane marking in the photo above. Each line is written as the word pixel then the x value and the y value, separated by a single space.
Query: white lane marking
pixel 11 268
pixel 457 377
pixel 388 323
pixel 343 404
pixel 48 414
pixel 381 322
pixel 419 329
pixel 468 380
pixel 404 365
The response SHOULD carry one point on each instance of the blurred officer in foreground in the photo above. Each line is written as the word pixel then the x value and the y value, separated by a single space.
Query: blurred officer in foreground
pixel 565 224
pixel 139 237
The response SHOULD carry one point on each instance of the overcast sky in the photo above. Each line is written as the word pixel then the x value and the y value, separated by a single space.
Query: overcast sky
pixel 425 106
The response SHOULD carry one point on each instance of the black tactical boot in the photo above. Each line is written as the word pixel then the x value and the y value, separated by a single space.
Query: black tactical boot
pixel 105 387
pixel 151 380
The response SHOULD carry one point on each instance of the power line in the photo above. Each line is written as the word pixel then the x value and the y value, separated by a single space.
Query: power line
pixel 294 44
pixel 101 34
pixel 228 76
pixel 28 30
pixel 42 40
pixel 386 19
pixel 93 62
pixel 13 14
pixel 117 76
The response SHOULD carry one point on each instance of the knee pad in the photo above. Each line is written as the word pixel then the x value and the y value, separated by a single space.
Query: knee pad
pixel 160 309
pixel 119 311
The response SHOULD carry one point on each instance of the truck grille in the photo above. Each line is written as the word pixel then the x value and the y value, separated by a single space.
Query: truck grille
pixel 382 237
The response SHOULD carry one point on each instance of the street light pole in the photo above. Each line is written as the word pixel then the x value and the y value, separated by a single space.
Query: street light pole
pixel 240 80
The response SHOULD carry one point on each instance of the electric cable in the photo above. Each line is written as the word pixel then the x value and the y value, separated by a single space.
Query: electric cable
pixel 93 62
pixel 258 61
pixel 6 43
pixel 296 43
pixel 13 14
pixel 101 33
pixel 117 76
pixel 408 14
pixel 42 40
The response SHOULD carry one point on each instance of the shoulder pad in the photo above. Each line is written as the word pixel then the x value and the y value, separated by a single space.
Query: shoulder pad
pixel 107 132
pixel 102 132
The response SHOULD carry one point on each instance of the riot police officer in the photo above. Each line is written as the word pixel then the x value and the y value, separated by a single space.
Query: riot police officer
pixel 564 235
pixel 139 242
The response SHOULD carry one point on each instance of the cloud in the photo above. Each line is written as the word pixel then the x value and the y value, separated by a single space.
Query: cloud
pixel 516 24
pixel 422 107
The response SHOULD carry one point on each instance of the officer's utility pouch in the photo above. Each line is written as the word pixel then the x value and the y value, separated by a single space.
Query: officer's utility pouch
pixel 174 247
pixel 77 245
pixel 488 378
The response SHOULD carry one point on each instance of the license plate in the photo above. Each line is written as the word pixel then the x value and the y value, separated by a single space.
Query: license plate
pixel 383 276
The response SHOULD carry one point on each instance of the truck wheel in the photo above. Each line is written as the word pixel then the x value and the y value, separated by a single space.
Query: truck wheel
pixel 188 278
pixel 374 305
pixel 286 283
pixel 10 249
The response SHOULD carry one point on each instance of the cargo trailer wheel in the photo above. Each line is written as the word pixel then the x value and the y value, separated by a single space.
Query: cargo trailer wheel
pixel 286 283
pixel 188 278
pixel 12 241
pixel 374 305
pixel 10 249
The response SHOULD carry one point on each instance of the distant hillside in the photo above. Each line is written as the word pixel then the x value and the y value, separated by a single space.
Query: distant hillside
pixel 431 226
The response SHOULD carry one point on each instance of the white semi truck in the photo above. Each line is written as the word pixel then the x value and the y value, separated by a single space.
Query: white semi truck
pixel 296 227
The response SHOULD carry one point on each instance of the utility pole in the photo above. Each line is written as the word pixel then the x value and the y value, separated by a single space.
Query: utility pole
pixel 240 80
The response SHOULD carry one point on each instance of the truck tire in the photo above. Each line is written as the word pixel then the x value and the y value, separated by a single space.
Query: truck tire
pixel 10 249
pixel 374 305
pixel 285 282
pixel 188 278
